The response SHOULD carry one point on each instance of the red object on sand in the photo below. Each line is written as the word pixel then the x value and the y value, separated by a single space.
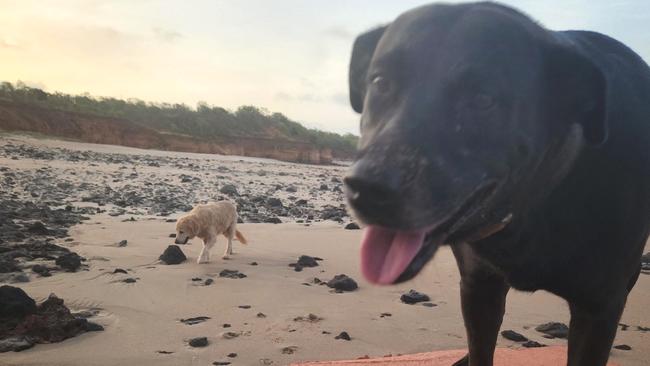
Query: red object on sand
pixel 544 356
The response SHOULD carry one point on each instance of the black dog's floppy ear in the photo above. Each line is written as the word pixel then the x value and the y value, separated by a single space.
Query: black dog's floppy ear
pixel 362 51
pixel 579 91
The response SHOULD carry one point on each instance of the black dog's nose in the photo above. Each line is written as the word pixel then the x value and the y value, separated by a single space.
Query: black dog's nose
pixel 371 188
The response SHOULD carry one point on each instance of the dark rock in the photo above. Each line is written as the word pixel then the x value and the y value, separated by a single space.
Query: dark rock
pixel 231 355
pixel 15 344
pixel 93 327
pixel 228 273
pixel 291 189
pixel 229 189
pixel 208 282
pixel 352 226
pixel 173 255
pixel 289 350
pixel 244 306
pixel 221 363
pixel 274 202
pixel 195 320
pixel 342 282
pixel 253 263
pixel 261 315
pixel 307 261
pixel 8 265
pixel 384 315
pixel 198 342
pixel 196 279
pixel 165 352
pixel 122 243
pixel 324 187
pixel 38 228
pixel 413 297
pixel 129 280
pixel 554 329
pixel 429 304
pixel 172 235
pixel 623 347
pixel 41 270
pixel 69 262
pixel 15 304
pixel 226 325
pixel 119 270
pixel 513 336
pixel 272 220
pixel 532 344
pixel 344 336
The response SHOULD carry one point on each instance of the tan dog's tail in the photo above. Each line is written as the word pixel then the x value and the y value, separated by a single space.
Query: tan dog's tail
pixel 240 237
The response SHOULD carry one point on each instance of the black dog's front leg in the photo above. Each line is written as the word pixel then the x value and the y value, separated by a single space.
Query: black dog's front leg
pixel 592 331
pixel 483 299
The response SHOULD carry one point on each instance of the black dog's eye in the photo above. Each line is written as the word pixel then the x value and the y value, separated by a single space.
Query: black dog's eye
pixel 482 101
pixel 381 85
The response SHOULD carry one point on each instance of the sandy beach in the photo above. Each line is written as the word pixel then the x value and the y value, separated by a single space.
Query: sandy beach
pixel 264 317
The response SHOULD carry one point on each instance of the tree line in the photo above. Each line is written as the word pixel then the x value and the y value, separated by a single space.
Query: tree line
pixel 203 122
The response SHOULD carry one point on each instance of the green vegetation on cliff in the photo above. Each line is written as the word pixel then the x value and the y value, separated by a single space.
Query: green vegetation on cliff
pixel 203 122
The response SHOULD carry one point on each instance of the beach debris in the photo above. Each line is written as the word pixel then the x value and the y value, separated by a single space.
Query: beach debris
pixel 173 255
pixel 342 283
pixel 414 297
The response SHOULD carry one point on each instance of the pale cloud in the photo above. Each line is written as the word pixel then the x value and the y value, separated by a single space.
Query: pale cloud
pixel 166 34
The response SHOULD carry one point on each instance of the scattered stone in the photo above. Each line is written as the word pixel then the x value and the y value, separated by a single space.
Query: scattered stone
pixel 342 282
pixel 273 220
pixel 129 280
pixel 173 255
pixel 196 279
pixel 352 226
pixel 198 342
pixel 289 350
pixel 229 335
pixel 554 329
pixel 15 344
pixel 221 363
pixel 165 352
pixel 513 336
pixel 93 327
pixel 69 262
pixel 385 315
pixel 266 362
pixel 208 282
pixel 119 270
pixel 15 304
pixel 532 344
pixel 414 297
pixel 172 235
pixel 231 355
pixel 244 306
pixel 229 189
pixel 195 320
pixel 253 263
pixel 623 347
pixel 311 318
pixel 226 325
pixel 41 270
pixel 429 304
pixel 228 273
pixel 344 336
pixel 122 243
pixel 261 315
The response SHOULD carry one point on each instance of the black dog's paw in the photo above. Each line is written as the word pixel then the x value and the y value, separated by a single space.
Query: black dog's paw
pixel 462 362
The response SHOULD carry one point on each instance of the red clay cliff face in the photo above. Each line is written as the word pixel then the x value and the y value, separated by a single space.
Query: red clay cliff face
pixel 113 131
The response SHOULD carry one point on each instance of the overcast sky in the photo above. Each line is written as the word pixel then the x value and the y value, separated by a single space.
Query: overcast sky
pixel 289 56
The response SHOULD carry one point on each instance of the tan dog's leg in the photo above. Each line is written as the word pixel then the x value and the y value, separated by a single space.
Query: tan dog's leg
pixel 229 234
pixel 208 243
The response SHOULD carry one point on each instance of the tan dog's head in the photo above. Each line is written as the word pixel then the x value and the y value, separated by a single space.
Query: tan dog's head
pixel 186 228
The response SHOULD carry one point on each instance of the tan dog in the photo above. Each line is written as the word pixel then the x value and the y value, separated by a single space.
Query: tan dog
pixel 207 222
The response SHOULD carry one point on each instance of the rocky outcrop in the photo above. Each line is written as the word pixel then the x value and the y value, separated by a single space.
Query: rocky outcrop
pixel 114 131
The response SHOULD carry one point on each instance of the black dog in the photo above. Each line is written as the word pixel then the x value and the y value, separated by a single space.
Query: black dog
pixel 526 150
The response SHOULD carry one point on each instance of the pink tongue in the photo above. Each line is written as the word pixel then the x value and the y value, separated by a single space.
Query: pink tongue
pixel 386 253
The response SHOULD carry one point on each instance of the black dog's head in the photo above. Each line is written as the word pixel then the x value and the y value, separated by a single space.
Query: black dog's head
pixel 461 105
